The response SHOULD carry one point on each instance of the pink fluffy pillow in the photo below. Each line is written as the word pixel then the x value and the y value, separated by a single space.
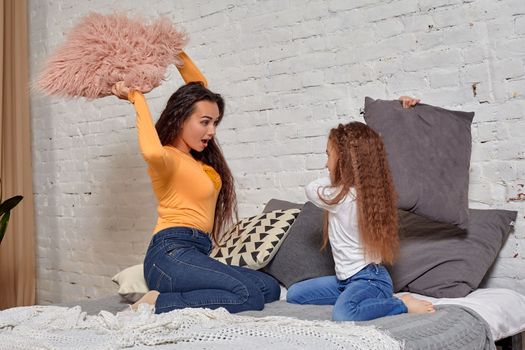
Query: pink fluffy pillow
pixel 104 49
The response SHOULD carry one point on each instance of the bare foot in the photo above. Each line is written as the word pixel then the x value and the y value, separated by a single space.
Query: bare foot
pixel 148 298
pixel 417 306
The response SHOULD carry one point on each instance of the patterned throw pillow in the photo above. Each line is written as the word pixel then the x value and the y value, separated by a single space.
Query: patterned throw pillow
pixel 253 241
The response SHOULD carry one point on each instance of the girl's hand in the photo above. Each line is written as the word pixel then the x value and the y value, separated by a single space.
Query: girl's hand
pixel 408 101
pixel 120 90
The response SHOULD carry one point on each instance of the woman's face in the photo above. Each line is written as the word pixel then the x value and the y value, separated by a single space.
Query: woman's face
pixel 199 128
pixel 331 161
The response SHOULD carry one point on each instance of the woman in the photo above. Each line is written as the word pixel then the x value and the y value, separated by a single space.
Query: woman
pixel 196 198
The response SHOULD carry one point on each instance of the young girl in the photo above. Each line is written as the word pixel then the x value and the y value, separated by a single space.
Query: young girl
pixel 361 227
pixel 194 188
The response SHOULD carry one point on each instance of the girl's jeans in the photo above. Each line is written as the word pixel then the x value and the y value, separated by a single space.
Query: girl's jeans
pixel 178 266
pixel 366 295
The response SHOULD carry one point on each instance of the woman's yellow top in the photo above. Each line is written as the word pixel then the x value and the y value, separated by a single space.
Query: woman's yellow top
pixel 186 189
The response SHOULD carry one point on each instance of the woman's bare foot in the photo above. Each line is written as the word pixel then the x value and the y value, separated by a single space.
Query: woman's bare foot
pixel 148 298
pixel 416 306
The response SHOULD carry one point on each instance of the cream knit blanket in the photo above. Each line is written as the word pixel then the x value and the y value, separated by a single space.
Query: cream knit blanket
pixel 53 327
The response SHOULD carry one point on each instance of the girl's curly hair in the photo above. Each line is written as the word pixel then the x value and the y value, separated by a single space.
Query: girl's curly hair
pixel 361 163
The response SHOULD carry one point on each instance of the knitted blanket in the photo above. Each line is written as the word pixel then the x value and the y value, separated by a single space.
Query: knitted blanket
pixel 55 327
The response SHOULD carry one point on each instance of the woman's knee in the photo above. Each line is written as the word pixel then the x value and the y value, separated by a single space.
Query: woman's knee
pixel 274 291
pixel 255 301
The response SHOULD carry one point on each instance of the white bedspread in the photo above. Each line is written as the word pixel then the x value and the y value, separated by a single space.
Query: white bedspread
pixel 53 327
pixel 503 309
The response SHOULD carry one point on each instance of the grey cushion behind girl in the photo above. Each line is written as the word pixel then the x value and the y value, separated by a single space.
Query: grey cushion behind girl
pixel 300 256
pixel 443 261
pixel 428 151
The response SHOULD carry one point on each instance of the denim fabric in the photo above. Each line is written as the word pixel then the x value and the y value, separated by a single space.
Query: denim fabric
pixel 178 266
pixel 366 295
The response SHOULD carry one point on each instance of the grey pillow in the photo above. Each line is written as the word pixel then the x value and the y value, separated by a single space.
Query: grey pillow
pixel 299 257
pixel 428 151
pixel 443 261
pixel 278 204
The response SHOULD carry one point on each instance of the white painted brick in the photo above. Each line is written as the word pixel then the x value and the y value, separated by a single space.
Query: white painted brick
pixel 408 81
pixel 509 150
pixel 443 78
pixel 390 47
pixel 321 111
pixel 516 191
pixel 403 7
pixel 417 22
pixel 491 132
pixel 429 40
pixel 515 88
pixel 390 27
pixel 464 34
pixel 342 5
pixel 449 16
pixel 509 48
pixel 316 161
pixel 482 152
pixel 519 25
pixel 508 69
pixel 386 66
pixel 447 58
pixel 313 78
pixel 307 29
pixel 449 97
pixel 427 5
pixel 474 54
pixel 373 89
pixel 499 28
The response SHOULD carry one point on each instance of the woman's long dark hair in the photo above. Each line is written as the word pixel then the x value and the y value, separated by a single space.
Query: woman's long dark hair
pixel 178 109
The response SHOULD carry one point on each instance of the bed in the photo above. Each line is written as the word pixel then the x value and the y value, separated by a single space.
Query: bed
pixel 485 318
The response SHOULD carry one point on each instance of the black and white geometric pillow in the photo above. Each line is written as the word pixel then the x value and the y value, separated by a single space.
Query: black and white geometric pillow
pixel 254 241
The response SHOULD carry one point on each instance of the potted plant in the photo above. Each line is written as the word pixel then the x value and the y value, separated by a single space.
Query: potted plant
pixel 5 211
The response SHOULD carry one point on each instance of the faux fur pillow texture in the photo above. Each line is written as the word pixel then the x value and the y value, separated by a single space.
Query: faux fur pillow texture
pixel 104 49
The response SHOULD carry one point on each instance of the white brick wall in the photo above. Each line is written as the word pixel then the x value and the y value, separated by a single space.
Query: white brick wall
pixel 289 71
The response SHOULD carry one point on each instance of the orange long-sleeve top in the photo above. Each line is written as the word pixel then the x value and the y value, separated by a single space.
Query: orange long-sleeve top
pixel 186 189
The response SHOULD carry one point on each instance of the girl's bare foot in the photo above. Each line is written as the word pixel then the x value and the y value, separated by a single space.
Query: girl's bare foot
pixel 417 306
pixel 148 298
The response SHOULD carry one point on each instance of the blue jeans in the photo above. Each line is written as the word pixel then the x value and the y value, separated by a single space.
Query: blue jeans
pixel 178 266
pixel 366 295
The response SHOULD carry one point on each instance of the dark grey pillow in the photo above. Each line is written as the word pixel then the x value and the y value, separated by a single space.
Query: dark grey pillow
pixel 278 204
pixel 299 257
pixel 443 261
pixel 428 151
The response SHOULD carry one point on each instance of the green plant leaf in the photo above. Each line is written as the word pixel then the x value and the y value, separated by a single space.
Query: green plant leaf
pixel 10 204
pixel 3 224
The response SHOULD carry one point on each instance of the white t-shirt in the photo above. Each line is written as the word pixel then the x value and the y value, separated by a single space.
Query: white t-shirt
pixel 342 227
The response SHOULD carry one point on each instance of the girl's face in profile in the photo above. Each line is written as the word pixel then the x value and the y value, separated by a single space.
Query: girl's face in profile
pixel 331 161
pixel 199 128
